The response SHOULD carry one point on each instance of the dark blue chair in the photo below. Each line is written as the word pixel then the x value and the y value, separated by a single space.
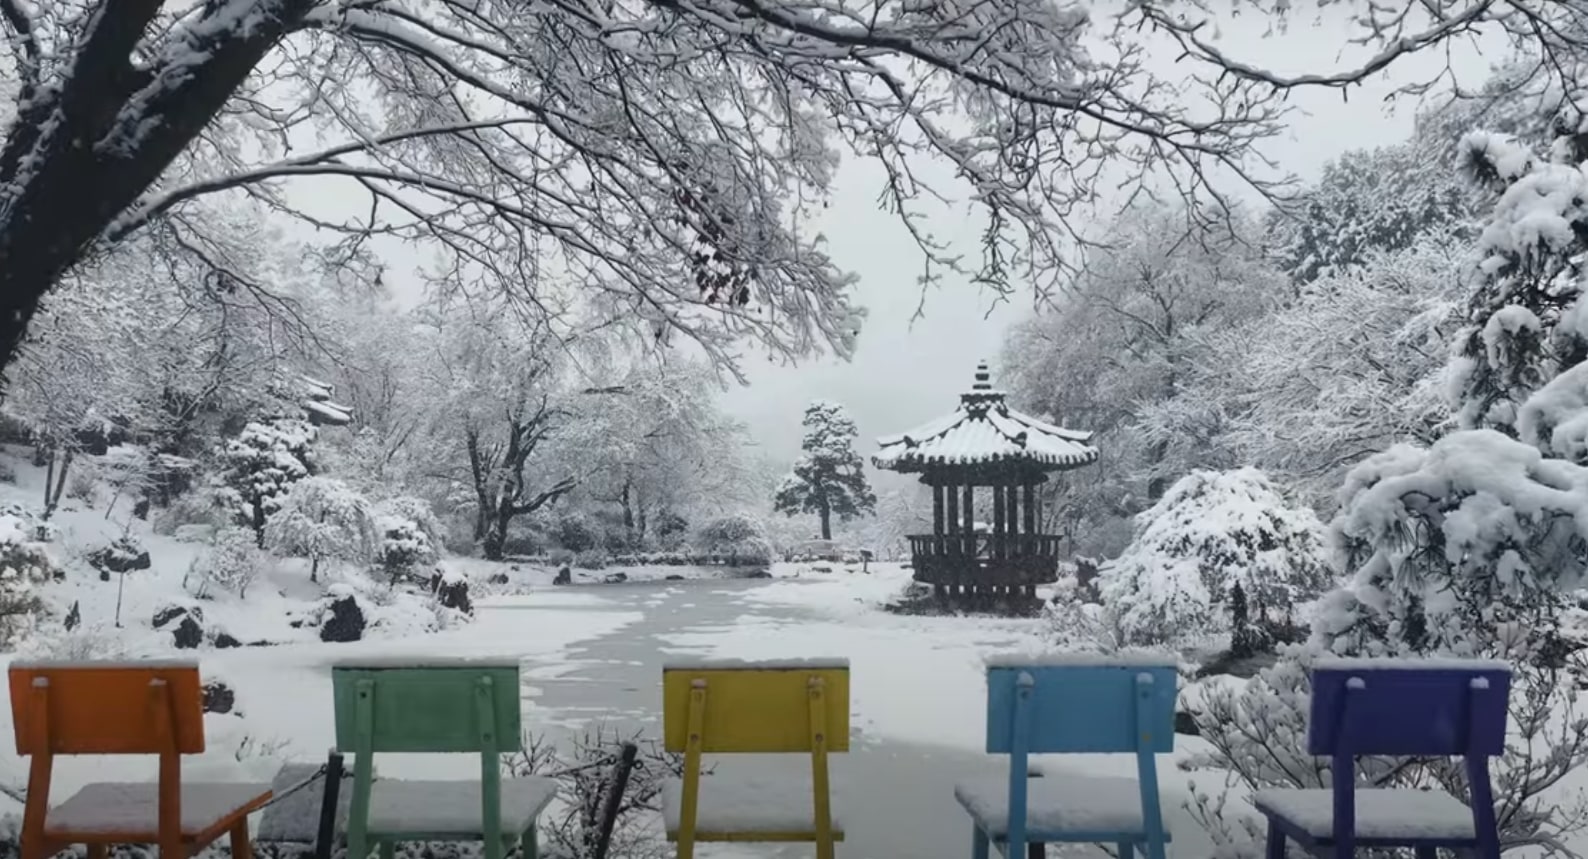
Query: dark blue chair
pixel 1078 705
pixel 1396 708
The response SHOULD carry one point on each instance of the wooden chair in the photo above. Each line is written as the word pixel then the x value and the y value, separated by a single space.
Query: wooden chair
pixel 749 707
pixel 440 707
pixel 125 708
pixel 1396 707
pixel 1073 703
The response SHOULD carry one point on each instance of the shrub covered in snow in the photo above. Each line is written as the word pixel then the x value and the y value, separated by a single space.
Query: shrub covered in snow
pixel 322 519
pixel 737 539
pixel 408 535
pixel 1213 531
pixel 232 562
pixel 576 533
pixel 26 563
pixel 260 464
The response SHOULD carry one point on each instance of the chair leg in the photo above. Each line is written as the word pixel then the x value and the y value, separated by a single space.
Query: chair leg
pixel 242 848
pixel 1276 842
pixel 1125 850
pixel 980 844
pixel 1037 850
pixel 388 849
pixel 98 851
pixel 1423 851
pixel 531 843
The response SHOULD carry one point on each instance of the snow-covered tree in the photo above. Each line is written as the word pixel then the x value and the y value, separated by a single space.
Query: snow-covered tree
pixel 829 478
pixel 1211 533
pixel 260 464
pixel 232 562
pixel 714 125
pixel 495 393
pixel 321 518
pixel 1149 313
pixel 900 512
pixel 1347 367
pixel 1369 203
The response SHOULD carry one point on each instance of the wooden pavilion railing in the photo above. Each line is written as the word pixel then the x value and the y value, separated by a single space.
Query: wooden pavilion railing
pixel 985 558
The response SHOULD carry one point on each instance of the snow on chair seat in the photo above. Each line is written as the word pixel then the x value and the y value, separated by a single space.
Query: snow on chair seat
pixel 1074 704
pixel 132 809
pixel 436 707
pixel 738 805
pixel 1057 805
pixel 122 708
pixel 732 707
pixel 1396 707
pixel 1393 815
pixel 440 810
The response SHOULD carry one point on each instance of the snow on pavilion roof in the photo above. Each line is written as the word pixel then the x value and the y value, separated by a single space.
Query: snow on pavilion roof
pixel 983 429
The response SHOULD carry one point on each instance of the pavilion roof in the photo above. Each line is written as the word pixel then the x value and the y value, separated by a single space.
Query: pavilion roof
pixel 984 430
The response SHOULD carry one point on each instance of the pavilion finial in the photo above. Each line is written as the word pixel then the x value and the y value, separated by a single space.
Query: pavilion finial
pixel 983 377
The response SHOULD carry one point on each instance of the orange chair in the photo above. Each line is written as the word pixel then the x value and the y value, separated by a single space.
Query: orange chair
pixel 122 708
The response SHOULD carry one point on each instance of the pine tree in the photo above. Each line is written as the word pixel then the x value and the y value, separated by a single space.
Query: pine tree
pixel 261 464
pixel 829 478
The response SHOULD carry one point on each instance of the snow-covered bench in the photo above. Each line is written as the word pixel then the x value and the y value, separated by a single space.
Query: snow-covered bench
pixel 1396 707
pixel 456 706
pixel 122 708
pixel 730 706
pixel 1074 703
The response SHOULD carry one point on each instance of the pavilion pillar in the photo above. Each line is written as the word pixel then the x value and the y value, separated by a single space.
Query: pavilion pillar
pixel 937 518
pixel 1018 547
pixel 999 534
pixel 970 519
pixel 1031 508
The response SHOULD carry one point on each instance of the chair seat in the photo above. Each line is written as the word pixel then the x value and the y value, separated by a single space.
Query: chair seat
pixel 1391 815
pixel 743 805
pixel 1057 805
pixel 405 808
pixel 130 811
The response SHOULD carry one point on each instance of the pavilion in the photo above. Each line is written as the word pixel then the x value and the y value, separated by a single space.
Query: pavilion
pixel 985 445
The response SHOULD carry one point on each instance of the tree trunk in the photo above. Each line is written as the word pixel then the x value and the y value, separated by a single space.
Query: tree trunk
pixel 314 568
pixel 259 522
pixel 827 516
pixel 628 507
pixel 53 501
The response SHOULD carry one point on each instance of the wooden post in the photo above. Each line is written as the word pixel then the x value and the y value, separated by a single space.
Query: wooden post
pixel 170 790
pixel 363 770
pixel 999 535
pixel 490 768
pixel 1031 508
pixel 692 750
pixel 937 518
pixel 39 770
pixel 820 786
pixel 970 519
pixel 951 495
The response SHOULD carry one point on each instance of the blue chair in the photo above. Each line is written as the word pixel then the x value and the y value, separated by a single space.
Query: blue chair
pixel 1074 704
pixel 1396 708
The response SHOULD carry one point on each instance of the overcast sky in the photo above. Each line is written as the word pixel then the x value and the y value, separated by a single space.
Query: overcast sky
pixel 905 373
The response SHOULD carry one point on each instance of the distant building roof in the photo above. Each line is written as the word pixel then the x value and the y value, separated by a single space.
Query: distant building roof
pixel 984 430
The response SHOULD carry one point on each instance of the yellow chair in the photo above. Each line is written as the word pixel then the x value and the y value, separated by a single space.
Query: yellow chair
pixel 725 707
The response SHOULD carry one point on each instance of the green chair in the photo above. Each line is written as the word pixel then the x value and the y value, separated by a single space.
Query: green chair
pixel 435 706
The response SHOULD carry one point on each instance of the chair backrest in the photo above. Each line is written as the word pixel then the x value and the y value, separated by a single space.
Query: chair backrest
pixel 1408 707
pixel 421 705
pixel 108 708
pixel 1084 702
pixel 756 706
